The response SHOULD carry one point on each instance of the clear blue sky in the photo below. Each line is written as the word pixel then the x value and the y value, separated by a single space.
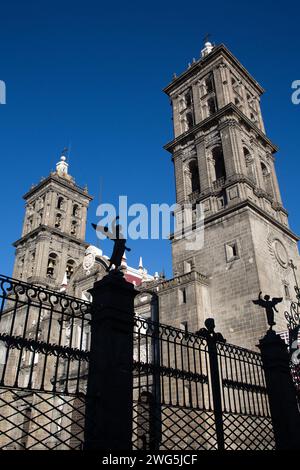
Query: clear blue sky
pixel 91 73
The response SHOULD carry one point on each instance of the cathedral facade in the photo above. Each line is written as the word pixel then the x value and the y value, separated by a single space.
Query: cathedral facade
pixel 223 161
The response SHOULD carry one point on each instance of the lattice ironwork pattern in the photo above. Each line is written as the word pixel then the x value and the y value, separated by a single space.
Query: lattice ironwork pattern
pixel 243 387
pixel 44 354
pixel 194 392
pixel 190 391
pixel 40 421
pixel 174 428
pixel 44 338
pixel 174 361
pixel 248 432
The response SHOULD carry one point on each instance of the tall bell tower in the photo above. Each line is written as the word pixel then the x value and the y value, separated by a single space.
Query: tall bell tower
pixel 53 236
pixel 224 160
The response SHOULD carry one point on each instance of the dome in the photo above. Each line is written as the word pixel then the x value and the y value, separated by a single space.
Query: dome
pixel 93 250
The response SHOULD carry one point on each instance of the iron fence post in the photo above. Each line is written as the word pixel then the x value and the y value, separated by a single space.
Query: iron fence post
pixel 281 391
pixel 156 375
pixel 216 390
pixel 109 400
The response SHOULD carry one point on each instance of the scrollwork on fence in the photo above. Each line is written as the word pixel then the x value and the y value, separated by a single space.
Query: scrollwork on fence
pixel 51 349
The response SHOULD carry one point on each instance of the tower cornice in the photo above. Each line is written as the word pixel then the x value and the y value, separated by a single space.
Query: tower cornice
pixel 247 205
pixel 44 230
pixel 229 109
pixel 60 181
pixel 218 51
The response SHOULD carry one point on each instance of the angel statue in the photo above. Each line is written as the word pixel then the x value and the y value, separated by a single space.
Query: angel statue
pixel 119 243
pixel 269 306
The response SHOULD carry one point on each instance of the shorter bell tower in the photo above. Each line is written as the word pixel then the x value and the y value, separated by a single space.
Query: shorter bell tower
pixel 52 242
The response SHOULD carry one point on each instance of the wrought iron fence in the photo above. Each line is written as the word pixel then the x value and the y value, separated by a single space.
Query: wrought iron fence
pixel 193 392
pixel 190 391
pixel 44 342
pixel 293 324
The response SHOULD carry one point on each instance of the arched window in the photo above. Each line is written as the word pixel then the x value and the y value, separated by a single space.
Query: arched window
pixel 188 99
pixel 219 164
pixel 249 164
pixel 74 227
pixel 211 104
pixel 76 211
pixel 58 220
pixel 209 84
pixel 60 203
pixel 51 266
pixel 192 177
pixel 267 179
pixel 70 267
pixel 40 217
pixel 189 120
pixel 264 170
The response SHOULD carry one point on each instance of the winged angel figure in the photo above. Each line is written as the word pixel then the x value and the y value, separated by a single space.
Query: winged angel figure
pixel 269 306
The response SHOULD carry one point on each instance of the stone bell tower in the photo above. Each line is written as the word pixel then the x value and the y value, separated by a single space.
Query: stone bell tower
pixel 224 160
pixel 52 242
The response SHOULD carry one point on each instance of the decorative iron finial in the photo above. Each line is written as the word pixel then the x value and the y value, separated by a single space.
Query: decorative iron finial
pixel 209 331
pixel 269 306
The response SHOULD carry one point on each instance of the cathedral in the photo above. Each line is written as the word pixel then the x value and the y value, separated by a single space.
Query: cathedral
pixel 224 161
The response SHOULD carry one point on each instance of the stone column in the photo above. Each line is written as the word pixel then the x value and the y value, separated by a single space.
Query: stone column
pixel 175 102
pixel 202 163
pixel 197 103
pixel 108 422
pixel 274 179
pixel 219 79
pixel 83 222
pixel 281 391
pixel 231 147
pixel 67 222
pixel 179 177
